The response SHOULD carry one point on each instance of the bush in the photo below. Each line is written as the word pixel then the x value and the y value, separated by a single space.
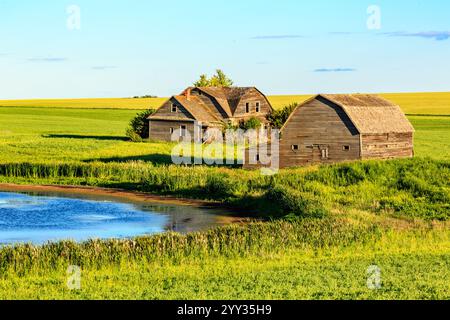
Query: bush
pixel 133 136
pixel 297 204
pixel 278 118
pixel 221 186
pixel 139 126
pixel 252 123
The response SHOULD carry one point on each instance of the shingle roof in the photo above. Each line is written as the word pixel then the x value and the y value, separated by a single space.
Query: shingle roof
pixel 228 98
pixel 197 108
pixel 218 103
pixel 371 113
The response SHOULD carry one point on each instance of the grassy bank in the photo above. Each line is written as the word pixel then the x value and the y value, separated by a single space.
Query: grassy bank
pixel 415 188
pixel 310 259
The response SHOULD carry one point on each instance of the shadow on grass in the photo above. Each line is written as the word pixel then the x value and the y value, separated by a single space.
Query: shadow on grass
pixel 92 137
pixel 162 159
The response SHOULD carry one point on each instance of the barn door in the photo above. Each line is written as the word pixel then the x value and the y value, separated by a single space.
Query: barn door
pixel 317 153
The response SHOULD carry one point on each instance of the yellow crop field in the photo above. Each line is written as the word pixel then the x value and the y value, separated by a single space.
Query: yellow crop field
pixel 412 103
pixel 95 103
pixel 437 103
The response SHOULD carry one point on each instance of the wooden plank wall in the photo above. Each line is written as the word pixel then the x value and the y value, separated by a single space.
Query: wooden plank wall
pixel 166 110
pixel 387 146
pixel 160 129
pixel 252 97
pixel 318 126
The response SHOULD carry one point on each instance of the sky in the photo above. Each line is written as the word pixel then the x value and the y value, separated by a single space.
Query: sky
pixel 118 48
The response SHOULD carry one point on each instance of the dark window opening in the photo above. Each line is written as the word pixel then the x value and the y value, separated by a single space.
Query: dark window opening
pixel 295 147
pixel 247 107
pixel 346 148
pixel 183 131
pixel 257 157
pixel 171 130
pixel 257 107
pixel 174 108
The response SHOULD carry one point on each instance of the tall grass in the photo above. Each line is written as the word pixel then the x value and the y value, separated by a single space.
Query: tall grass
pixel 229 241
pixel 418 188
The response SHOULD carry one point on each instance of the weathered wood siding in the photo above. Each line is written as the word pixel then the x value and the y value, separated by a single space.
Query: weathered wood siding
pixel 318 128
pixel 166 111
pixel 387 146
pixel 252 97
pixel 160 129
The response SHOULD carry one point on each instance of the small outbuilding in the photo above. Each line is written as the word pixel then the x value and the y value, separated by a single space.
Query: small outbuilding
pixel 330 128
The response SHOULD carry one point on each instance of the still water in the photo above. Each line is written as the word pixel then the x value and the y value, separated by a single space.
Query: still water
pixel 39 218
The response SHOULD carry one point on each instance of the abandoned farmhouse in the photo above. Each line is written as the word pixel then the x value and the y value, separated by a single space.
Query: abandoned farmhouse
pixel 327 128
pixel 211 106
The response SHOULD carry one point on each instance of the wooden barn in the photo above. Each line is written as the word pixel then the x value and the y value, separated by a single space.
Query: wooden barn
pixel 343 127
pixel 213 107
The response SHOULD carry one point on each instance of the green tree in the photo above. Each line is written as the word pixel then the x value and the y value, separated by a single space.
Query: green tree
pixel 138 128
pixel 219 79
pixel 203 81
pixel 278 118
pixel 252 123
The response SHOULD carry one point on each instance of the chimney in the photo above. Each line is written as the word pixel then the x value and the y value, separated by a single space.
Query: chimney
pixel 187 93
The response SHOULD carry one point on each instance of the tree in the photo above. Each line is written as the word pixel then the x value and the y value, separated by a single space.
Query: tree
pixel 220 79
pixel 252 123
pixel 278 118
pixel 203 82
pixel 139 126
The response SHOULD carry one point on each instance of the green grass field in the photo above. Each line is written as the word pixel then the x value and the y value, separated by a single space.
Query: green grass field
pixel 42 134
pixel 413 266
pixel 79 142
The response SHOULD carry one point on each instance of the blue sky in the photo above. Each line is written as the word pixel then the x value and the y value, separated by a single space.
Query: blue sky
pixel 138 47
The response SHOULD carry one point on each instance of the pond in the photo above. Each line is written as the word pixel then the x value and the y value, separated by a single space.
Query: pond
pixel 42 217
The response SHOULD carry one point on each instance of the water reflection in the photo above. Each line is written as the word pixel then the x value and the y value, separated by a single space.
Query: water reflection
pixel 38 218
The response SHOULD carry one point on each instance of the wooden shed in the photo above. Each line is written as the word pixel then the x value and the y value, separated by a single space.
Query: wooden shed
pixel 343 127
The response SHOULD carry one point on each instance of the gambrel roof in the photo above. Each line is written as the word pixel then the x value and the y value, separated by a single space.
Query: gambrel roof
pixel 370 113
pixel 221 105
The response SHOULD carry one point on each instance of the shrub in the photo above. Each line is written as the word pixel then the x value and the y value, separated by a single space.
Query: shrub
pixel 252 123
pixel 139 126
pixel 278 118
pixel 297 204
pixel 220 185
pixel 132 135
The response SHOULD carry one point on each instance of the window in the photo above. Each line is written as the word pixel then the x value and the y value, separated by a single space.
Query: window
pixel 247 107
pixel 324 153
pixel 257 158
pixel 295 147
pixel 183 131
pixel 346 148
pixel 258 107
pixel 174 107
pixel 171 130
